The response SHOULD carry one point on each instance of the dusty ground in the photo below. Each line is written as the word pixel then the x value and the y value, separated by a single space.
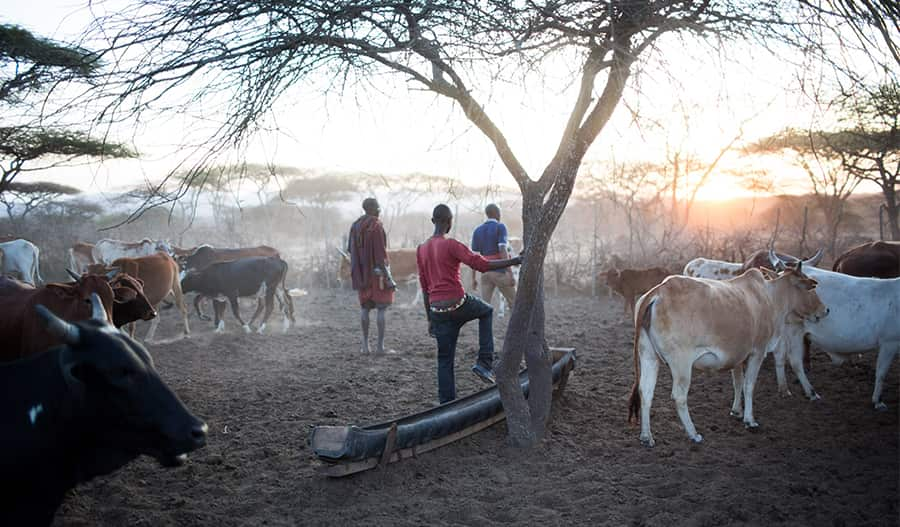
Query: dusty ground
pixel 829 463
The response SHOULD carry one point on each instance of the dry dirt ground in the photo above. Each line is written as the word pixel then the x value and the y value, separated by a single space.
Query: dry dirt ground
pixel 829 463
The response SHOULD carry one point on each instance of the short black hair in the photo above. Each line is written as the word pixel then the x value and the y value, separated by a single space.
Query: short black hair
pixel 441 213
pixel 492 210
pixel 370 205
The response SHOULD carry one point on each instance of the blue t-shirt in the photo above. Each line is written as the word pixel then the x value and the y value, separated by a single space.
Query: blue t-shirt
pixel 487 238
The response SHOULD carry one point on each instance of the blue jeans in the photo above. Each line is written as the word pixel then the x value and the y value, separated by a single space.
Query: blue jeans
pixel 446 329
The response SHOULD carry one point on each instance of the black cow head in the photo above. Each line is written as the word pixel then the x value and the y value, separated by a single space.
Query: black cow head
pixel 124 407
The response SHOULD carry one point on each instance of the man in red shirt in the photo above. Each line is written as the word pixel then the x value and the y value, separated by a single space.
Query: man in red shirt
pixel 371 270
pixel 447 305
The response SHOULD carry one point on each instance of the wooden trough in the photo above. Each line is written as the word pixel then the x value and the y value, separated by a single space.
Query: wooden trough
pixel 349 449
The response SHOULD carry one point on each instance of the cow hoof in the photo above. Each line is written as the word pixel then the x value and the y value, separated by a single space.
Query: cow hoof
pixel 697 438
pixel 751 426
pixel 261 329
pixel 734 413
pixel 880 407
pixel 247 328
pixel 815 397
pixel 785 393
pixel 648 441
pixel 205 317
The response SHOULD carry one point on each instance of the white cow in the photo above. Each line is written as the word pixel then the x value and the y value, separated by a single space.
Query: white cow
pixel 865 316
pixel 22 258
pixel 106 251
pixel 712 269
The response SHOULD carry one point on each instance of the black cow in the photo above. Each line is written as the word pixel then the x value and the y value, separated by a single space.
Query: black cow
pixel 82 410
pixel 262 277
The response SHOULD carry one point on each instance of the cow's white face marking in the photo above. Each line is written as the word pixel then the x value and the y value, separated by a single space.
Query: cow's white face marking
pixel 34 411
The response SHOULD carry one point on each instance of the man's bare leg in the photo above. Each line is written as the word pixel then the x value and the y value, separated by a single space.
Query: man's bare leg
pixel 379 320
pixel 364 322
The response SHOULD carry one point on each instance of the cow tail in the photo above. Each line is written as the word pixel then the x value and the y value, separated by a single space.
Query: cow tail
pixel 37 267
pixel 641 323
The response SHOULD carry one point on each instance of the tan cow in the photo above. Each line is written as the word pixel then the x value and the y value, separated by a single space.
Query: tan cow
pixel 632 283
pixel 81 256
pixel 697 323
pixel 159 273
pixel 403 268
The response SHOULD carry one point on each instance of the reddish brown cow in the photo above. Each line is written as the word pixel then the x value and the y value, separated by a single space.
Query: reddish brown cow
pixel 159 274
pixel 632 283
pixel 872 260
pixel 22 332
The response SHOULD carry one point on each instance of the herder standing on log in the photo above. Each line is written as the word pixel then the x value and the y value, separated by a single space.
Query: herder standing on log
pixel 447 305
pixel 370 270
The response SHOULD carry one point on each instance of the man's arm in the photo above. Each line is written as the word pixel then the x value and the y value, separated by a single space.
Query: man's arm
pixel 478 262
pixel 423 283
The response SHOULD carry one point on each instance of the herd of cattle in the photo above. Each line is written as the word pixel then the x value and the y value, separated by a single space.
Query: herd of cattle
pixel 727 316
pixel 81 399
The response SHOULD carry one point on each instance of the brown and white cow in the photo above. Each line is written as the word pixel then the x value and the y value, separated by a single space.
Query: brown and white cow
pixel 106 251
pixel 632 283
pixel 696 323
pixel 876 259
pixel 81 256
pixel 22 332
pixel 159 274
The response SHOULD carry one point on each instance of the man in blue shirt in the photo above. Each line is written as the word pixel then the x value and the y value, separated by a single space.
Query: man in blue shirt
pixel 491 240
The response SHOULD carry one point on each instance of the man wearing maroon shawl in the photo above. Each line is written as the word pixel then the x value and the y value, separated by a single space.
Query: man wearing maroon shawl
pixel 370 270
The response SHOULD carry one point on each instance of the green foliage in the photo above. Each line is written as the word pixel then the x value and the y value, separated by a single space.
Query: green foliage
pixel 26 143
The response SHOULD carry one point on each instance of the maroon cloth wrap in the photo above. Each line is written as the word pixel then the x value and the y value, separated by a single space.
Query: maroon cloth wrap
pixel 368 248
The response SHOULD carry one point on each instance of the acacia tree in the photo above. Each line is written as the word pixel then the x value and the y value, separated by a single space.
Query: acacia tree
pixel 255 50
pixel 21 199
pixel 28 65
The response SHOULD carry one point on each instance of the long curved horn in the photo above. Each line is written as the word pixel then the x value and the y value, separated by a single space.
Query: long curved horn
pixel 776 262
pixel 97 311
pixel 74 276
pixel 814 259
pixel 58 327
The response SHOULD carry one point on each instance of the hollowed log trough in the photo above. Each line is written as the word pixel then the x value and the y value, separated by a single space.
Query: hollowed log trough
pixel 349 449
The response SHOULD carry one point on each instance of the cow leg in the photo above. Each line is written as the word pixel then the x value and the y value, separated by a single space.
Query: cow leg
pixel 795 350
pixel 681 384
pixel 364 325
pixel 257 311
pixel 236 309
pixel 270 305
pixel 647 384
pixel 131 327
pixel 753 364
pixel 152 331
pixel 197 300
pixel 886 353
pixel 779 358
pixel 737 379
pixel 179 301
pixel 219 313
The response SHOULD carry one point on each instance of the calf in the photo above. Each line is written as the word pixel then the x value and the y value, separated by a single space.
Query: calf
pixel 81 256
pixel 632 283
pixel 695 323
pixel 262 277
pixel 82 410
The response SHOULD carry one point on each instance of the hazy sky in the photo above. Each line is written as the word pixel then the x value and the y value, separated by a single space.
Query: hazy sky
pixel 410 130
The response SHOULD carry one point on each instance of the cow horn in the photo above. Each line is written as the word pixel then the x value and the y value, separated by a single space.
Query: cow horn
pixel 97 310
pixel 814 259
pixel 345 255
pixel 58 327
pixel 74 276
pixel 776 262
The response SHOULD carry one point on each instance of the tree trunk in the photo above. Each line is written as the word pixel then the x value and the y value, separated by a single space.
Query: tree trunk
pixel 890 206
